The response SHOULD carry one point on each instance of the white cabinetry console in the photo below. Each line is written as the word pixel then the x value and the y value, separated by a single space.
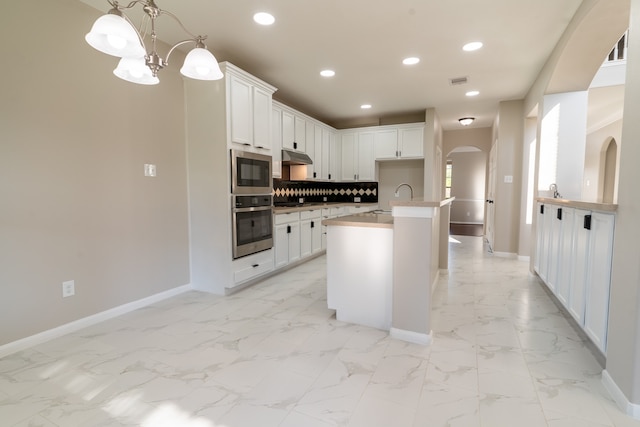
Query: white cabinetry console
pixel 573 258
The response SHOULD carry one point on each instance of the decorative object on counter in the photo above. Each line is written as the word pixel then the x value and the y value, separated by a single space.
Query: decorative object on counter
pixel 115 34
pixel 290 193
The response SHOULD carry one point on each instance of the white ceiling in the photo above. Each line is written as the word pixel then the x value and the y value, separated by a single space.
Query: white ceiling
pixel 364 41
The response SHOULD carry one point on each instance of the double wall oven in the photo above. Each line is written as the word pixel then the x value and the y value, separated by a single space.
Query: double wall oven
pixel 252 203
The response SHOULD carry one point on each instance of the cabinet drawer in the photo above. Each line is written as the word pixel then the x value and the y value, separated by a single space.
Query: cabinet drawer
pixel 338 211
pixel 314 214
pixel 285 218
pixel 252 266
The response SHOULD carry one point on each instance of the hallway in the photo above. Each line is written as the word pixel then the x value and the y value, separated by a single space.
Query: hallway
pixel 274 355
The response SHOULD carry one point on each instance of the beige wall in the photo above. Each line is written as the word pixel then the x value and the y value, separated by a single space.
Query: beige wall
pixel 509 134
pixel 392 173
pixel 75 203
pixel 623 349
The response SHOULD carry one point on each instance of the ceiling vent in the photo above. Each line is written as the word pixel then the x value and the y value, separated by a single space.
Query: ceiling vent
pixel 458 81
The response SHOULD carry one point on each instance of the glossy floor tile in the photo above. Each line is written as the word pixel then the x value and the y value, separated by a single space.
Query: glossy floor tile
pixel 274 355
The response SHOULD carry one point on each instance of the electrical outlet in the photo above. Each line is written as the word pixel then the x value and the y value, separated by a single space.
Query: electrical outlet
pixel 356 199
pixel 68 288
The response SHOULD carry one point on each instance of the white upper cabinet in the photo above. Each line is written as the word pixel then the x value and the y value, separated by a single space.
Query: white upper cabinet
pixel 399 142
pixel 276 140
pixel 249 110
pixel 294 130
pixel 411 141
pixel 358 163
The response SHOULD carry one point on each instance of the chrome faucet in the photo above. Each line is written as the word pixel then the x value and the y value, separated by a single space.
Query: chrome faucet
pixel 396 193
pixel 554 188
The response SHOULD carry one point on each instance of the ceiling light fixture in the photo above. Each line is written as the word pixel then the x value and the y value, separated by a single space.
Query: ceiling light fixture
pixel 472 93
pixel 327 73
pixel 411 61
pixel 466 121
pixel 115 34
pixel 264 18
pixel 365 106
pixel 470 47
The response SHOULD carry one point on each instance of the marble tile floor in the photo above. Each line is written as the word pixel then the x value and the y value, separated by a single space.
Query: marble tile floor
pixel 274 355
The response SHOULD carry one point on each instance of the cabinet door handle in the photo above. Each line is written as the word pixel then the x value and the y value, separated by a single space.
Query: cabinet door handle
pixel 542 209
pixel 587 222
pixel 312 224
pixel 288 229
pixel 314 174
pixel 329 176
pixel 295 145
pixel 559 214
pixel 255 265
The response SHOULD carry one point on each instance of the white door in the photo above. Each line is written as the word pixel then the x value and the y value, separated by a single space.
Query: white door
pixel 490 196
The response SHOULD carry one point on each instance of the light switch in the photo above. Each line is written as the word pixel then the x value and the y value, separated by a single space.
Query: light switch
pixel 508 179
pixel 149 170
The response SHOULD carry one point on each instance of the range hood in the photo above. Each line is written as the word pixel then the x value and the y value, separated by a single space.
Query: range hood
pixel 290 157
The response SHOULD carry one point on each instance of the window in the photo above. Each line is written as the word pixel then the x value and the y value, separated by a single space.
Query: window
pixel 447 179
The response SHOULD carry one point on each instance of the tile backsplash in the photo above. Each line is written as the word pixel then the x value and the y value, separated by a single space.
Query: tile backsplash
pixel 291 192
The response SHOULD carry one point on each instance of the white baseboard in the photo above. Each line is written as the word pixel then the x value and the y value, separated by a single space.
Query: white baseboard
pixel 410 336
pixel 525 258
pixel 76 325
pixel 631 409
pixel 466 223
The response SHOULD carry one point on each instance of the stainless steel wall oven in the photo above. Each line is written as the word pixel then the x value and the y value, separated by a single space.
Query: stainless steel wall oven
pixel 252 218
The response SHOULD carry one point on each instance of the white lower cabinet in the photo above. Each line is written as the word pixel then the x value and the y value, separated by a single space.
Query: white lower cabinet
pixel 310 232
pixel 287 238
pixel 252 266
pixel 573 258
pixel 596 314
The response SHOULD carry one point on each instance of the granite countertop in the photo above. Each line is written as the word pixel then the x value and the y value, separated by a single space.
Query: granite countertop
pixel 591 206
pixel 314 206
pixel 365 219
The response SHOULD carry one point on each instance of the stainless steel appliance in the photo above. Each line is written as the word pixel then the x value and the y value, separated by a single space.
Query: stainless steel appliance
pixel 252 218
pixel 250 173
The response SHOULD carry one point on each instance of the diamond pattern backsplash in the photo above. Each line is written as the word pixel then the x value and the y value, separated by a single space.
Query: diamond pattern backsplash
pixel 290 192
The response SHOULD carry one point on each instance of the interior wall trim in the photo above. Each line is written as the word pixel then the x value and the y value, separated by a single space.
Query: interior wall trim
pixel 76 325
pixel 631 409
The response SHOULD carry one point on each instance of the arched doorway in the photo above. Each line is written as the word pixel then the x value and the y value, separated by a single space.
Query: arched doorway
pixel 610 172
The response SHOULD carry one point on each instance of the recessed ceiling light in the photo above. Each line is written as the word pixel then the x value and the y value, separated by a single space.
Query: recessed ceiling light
pixel 365 106
pixel 472 46
pixel 472 93
pixel 466 121
pixel 327 73
pixel 410 61
pixel 264 18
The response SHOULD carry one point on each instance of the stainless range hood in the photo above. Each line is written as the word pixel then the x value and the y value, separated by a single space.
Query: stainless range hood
pixel 295 158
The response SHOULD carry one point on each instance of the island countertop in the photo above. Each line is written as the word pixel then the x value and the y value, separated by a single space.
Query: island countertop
pixel 365 219
pixel 590 206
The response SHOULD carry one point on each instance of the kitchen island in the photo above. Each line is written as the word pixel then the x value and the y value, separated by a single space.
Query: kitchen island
pixel 359 268
pixel 382 269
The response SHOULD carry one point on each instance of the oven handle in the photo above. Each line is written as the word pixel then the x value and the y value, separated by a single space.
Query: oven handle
pixel 253 209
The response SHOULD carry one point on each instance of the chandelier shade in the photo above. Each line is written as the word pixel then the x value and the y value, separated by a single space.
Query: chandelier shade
pixel 200 64
pixel 135 70
pixel 113 35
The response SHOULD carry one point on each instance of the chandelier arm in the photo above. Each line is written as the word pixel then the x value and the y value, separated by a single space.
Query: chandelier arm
pixel 193 36
pixel 180 43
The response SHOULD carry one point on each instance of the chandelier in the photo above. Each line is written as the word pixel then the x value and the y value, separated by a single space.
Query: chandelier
pixel 115 34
